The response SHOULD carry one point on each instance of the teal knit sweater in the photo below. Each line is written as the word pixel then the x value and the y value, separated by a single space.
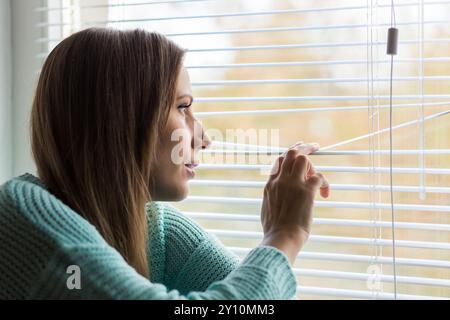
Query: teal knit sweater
pixel 40 237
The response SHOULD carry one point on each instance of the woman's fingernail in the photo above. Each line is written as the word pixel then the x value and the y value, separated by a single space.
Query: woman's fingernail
pixel 297 144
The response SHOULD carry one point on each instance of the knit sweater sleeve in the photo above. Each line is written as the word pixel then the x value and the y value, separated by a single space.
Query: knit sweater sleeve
pixel 264 274
pixel 43 239
pixel 182 255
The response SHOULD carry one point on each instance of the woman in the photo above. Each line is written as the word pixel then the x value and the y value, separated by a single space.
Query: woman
pixel 92 224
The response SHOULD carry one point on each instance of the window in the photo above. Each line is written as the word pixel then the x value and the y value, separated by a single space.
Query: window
pixel 266 74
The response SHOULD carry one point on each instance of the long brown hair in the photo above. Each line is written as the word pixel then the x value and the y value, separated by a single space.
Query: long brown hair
pixel 102 99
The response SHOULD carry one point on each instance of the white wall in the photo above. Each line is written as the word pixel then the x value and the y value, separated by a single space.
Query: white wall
pixel 25 68
pixel 6 166
pixel 19 67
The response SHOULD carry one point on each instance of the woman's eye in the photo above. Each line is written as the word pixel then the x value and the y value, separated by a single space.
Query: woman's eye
pixel 184 107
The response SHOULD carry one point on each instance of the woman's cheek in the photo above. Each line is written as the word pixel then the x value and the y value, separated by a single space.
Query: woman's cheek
pixel 180 142
pixel 179 138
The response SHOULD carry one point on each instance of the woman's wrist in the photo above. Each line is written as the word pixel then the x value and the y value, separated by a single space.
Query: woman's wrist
pixel 288 242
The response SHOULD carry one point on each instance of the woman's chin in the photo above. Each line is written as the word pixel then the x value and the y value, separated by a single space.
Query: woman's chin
pixel 179 194
pixel 170 192
pixel 180 197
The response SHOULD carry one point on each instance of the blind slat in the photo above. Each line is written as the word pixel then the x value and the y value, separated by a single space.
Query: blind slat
pixel 323 45
pixel 323 221
pixel 365 277
pixel 340 257
pixel 319 98
pixel 346 187
pixel 325 204
pixel 313 81
pixel 323 9
pixel 340 240
pixel 337 153
pixel 281 29
pixel 261 167
pixel 115 5
pixel 312 63
pixel 361 294
pixel 282 111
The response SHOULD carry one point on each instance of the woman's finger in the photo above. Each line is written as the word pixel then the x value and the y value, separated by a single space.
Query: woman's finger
pixel 311 171
pixel 285 164
pixel 307 148
pixel 303 148
pixel 276 168
pixel 315 182
pixel 289 157
pixel 288 162
pixel 325 187
pixel 300 167
pixel 291 147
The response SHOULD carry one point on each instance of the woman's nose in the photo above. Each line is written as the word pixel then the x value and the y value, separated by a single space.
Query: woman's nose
pixel 206 141
pixel 200 139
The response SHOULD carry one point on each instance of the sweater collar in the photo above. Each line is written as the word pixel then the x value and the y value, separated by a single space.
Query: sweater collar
pixel 33 179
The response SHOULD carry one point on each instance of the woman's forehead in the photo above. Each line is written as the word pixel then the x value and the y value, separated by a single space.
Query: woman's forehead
pixel 184 83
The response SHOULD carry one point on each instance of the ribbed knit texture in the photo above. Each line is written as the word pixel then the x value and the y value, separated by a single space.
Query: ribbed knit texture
pixel 40 237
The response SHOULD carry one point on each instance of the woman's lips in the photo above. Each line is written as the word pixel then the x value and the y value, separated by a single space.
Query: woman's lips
pixel 190 168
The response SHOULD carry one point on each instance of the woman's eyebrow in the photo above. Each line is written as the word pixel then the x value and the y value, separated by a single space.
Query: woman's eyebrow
pixel 188 96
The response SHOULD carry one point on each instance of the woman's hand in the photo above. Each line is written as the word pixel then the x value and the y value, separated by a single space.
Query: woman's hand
pixel 286 213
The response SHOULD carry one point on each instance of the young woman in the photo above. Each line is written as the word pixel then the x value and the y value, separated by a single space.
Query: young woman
pixel 92 224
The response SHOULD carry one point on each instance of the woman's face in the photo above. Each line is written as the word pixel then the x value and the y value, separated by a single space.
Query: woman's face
pixel 180 143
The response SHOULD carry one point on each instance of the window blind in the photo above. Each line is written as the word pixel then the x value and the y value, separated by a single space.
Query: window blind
pixel 313 71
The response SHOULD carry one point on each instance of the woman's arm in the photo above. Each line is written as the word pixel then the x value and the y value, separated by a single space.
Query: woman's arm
pixel 182 255
pixel 264 274
pixel 43 240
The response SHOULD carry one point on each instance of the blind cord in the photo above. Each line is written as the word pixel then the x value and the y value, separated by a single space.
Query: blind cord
pixel 264 149
pixel 392 50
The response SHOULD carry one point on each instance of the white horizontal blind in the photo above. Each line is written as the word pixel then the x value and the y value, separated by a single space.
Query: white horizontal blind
pixel 315 71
